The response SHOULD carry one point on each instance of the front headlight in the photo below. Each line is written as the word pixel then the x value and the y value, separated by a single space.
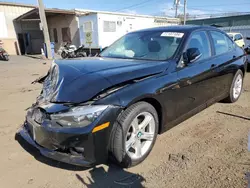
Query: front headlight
pixel 51 81
pixel 79 116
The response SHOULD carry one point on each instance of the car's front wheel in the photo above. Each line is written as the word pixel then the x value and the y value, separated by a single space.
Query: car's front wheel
pixel 134 134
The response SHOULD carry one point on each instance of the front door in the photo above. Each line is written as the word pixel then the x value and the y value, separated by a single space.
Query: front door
pixel 195 78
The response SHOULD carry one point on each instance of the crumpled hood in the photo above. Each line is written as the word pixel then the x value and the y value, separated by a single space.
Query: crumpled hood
pixel 82 79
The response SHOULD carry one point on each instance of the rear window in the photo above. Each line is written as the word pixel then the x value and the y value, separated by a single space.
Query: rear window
pixel 238 37
pixel 220 41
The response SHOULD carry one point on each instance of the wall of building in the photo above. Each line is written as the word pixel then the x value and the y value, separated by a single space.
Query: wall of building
pixel 101 37
pixel 9 39
pixel 32 35
pixel 3 26
pixel 62 21
pixel 223 21
pixel 124 24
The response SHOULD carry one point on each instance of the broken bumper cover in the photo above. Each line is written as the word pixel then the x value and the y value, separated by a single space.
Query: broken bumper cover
pixel 77 146
pixel 59 156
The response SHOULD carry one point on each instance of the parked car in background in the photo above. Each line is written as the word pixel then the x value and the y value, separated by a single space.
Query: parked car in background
pixel 247 50
pixel 238 39
pixel 115 105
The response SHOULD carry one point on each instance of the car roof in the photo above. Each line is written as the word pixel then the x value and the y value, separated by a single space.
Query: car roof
pixel 233 33
pixel 177 28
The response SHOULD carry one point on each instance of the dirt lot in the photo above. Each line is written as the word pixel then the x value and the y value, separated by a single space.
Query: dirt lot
pixel 208 150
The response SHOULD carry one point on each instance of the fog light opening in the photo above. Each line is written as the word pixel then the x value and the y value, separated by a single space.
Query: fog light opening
pixel 79 151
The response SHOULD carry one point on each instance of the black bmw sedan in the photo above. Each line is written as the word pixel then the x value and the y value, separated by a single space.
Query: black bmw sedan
pixel 114 106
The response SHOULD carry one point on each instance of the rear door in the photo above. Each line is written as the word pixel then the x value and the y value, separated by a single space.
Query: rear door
pixel 195 78
pixel 224 53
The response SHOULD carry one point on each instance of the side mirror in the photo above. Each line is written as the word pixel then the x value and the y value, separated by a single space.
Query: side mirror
pixel 104 48
pixel 191 55
pixel 247 50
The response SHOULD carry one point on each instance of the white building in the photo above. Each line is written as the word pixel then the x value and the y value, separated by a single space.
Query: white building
pixel 99 29
pixel 20 32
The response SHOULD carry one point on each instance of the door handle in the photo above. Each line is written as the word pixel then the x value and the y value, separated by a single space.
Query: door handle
pixel 189 82
pixel 213 65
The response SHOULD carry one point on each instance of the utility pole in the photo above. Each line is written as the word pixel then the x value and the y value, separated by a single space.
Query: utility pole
pixel 185 12
pixel 45 28
pixel 176 7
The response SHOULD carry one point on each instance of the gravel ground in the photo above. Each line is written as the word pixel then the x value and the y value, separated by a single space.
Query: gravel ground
pixel 208 150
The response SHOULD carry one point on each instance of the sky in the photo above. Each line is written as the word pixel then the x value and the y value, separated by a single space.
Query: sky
pixel 149 7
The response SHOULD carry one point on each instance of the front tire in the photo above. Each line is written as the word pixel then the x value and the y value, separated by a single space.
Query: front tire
pixel 134 134
pixel 64 55
pixel 236 88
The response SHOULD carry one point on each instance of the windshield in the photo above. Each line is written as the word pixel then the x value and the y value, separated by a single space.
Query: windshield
pixel 145 45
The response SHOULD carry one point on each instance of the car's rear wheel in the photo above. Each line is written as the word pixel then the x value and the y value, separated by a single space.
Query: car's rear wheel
pixel 64 55
pixel 6 58
pixel 236 88
pixel 134 134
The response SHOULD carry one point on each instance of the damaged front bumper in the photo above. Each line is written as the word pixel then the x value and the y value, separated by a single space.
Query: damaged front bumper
pixel 59 156
pixel 78 146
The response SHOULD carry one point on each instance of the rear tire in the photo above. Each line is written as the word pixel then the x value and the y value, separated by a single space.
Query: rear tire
pixel 134 134
pixel 236 88
pixel 6 58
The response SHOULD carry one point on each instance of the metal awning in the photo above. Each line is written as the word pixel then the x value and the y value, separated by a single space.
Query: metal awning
pixel 33 15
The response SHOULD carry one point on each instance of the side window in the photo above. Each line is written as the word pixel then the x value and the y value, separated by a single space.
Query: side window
pixel 221 44
pixel 200 40
pixel 110 26
pixel 239 36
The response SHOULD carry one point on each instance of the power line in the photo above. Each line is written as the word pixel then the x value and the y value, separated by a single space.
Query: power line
pixel 134 5
pixel 219 12
pixel 209 10
pixel 192 7
pixel 143 5
pixel 238 4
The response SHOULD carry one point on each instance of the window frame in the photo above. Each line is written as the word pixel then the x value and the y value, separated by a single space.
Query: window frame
pixel 209 44
pixel 110 31
pixel 84 26
pixel 213 45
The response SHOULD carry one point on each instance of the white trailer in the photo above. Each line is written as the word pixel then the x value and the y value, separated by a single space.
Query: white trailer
pixel 99 29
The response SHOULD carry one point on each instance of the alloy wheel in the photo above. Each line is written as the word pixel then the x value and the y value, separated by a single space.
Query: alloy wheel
pixel 237 86
pixel 140 135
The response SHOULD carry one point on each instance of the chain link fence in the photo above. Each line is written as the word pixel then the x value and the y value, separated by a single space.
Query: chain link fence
pixel 244 30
